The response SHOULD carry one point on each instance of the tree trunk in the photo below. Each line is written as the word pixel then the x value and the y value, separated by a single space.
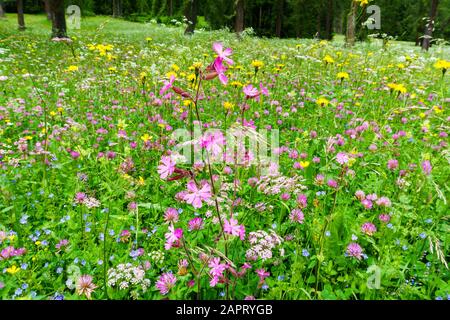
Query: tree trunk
pixel 351 25
pixel 191 14
pixel 20 18
pixel 430 25
pixel 329 21
pixel 280 13
pixel 239 24
pixel 117 8
pixel 47 10
pixel 59 28
pixel 2 12
pixel 170 8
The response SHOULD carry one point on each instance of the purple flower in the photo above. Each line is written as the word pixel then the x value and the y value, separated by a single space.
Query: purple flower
pixel 195 224
pixel 426 167
pixel 166 282
pixel 368 228
pixel 354 250
pixel 392 164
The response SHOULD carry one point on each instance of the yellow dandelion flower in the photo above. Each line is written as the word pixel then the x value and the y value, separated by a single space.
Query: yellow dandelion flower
pixel 343 75
pixel 228 105
pixel 305 164
pixel 328 59
pixel 257 64
pixel 72 68
pixel 322 102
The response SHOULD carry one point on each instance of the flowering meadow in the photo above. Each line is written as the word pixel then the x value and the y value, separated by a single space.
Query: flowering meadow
pixel 99 201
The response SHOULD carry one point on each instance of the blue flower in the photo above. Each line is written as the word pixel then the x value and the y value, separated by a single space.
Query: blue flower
pixel 280 278
pixel 24 286
pixel 423 235
pixel 305 253
pixel 23 219
pixel 59 270
pixel 327 233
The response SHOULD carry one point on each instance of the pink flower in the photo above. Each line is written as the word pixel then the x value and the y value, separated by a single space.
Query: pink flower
pixel 167 85
pixel 213 142
pixel 342 158
pixel 367 203
pixel 216 271
pixel 173 237
pixel 384 217
pixel 232 227
pixel 171 215
pixel 220 70
pixel 195 196
pixel 223 54
pixel 384 202
pixel 392 164
pixel 195 224
pixel 297 216
pixel 360 195
pixel 263 89
pixel 354 250
pixel 262 274
pixel 250 91
pixel 166 282
pixel 332 183
pixel 426 167
pixel 302 201
pixel 368 228
pixel 166 167
pixel 85 286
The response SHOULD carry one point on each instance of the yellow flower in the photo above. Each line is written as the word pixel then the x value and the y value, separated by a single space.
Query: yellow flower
pixel 121 124
pixel 112 69
pixel 175 67
pixel 236 84
pixel 148 39
pixel 443 65
pixel 362 2
pixel 328 59
pixel 228 105
pixel 141 181
pixel 257 64
pixel 171 73
pixel 72 68
pixel 13 270
pixel 342 75
pixel 197 65
pixel 397 87
pixel 142 76
pixel 322 102
pixel 438 109
pixel 304 164
pixel 146 137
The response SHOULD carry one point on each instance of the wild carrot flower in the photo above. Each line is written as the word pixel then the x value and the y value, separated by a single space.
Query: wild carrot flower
pixel 195 196
pixel 354 250
pixel 85 286
pixel 166 167
pixel 166 282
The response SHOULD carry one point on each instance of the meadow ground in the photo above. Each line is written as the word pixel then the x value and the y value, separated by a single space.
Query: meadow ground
pixel 98 201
